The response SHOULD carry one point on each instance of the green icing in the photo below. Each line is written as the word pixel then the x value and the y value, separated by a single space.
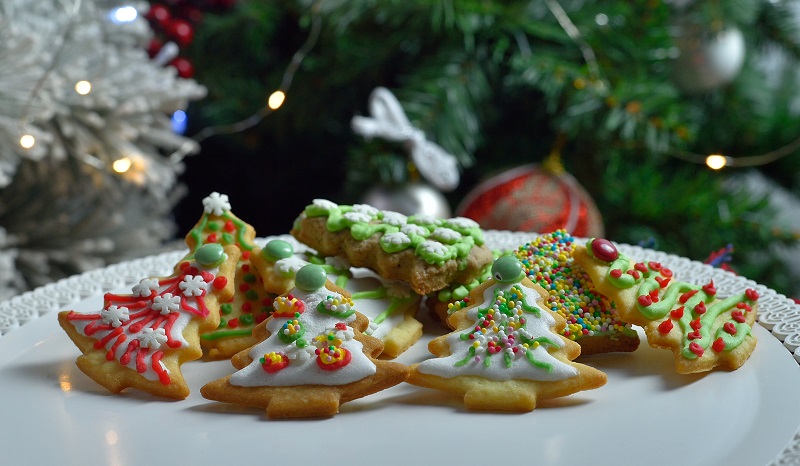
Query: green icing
pixel 219 334
pixel 665 304
pixel 707 330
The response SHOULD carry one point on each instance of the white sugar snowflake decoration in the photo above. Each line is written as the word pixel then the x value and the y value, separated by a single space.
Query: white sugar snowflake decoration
pixel 145 287
pixel 397 238
pixel 463 223
pixel 325 204
pixel 357 217
pixel 366 209
pixel 193 285
pixel 434 247
pixel 115 315
pixel 290 265
pixel 152 338
pixel 166 304
pixel 414 230
pixel 216 203
pixel 425 219
pixel 446 235
pixel 394 219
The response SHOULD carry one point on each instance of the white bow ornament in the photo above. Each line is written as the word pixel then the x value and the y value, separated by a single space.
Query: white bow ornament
pixel 390 122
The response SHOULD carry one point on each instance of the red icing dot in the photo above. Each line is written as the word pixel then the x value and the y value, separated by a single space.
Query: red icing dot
pixel 738 316
pixel 751 294
pixel 685 297
pixel 662 281
pixel 245 255
pixel 212 238
pixel 229 226
pixel 730 328
pixel 616 273
pixel 709 288
pixel 695 324
pixel 220 282
pixel 640 267
pixel 718 345
pixel 654 265
pixel 694 335
pixel 665 272
pixel 247 307
pixel 654 295
pixel 677 313
pixel 244 287
pixel 634 273
pixel 665 327
pixel 645 300
pixel 245 267
pixel 700 308
pixel 604 250
pixel 696 349
pixel 233 323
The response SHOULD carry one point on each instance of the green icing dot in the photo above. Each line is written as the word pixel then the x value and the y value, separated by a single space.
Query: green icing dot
pixel 507 269
pixel 276 250
pixel 251 295
pixel 210 255
pixel 223 323
pixel 310 277
pixel 226 308
pixel 246 319
pixel 250 278
pixel 213 226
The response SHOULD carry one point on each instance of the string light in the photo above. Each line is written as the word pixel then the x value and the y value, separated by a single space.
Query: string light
pixel 716 161
pixel 122 165
pixel 276 100
pixel 83 87
pixel 27 141
pixel 124 14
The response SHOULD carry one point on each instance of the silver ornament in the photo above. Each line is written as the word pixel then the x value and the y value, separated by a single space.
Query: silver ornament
pixel 409 199
pixel 707 60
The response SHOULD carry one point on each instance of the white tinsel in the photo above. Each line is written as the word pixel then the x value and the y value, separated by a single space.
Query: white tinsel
pixel 63 209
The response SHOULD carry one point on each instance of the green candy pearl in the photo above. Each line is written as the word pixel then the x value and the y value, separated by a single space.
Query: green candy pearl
pixel 276 250
pixel 507 269
pixel 210 255
pixel 310 277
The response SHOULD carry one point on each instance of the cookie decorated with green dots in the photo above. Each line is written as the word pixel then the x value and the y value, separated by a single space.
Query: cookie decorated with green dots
pixel 506 353
pixel 251 303
pixel 703 330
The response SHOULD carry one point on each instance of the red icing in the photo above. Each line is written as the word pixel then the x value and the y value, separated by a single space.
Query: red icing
pixel 212 238
pixel 696 349
pixel 220 283
pixel 247 307
pixel 751 294
pixel 665 272
pixel 337 364
pixel 244 287
pixel 709 288
pixel 233 323
pixel 718 345
pixel 662 281
pixel 245 255
pixel 645 300
pixel 700 308
pixel 604 250
pixel 685 297
pixel 654 295
pixel 273 367
pixel 229 226
pixel 634 273
pixel 738 316
pixel 730 328
pixel 665 327
pixel 640 267
pixel 616 273
pixel 694 335
pixel 695 324
pixel 163 376
pixel 654 265
pixel 677 313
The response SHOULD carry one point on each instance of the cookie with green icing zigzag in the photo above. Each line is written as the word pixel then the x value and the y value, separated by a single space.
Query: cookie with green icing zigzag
pixel 390 306
pixel 703 330
pixel 427 252
pixel 506 353
pixel 251 303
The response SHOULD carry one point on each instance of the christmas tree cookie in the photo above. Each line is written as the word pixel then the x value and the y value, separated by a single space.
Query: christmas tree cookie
pixel 250 304
pixel 703 330
pixel 506 353
pixel 427 252
pixel 313 356
pixel 390 306
pixel 140 339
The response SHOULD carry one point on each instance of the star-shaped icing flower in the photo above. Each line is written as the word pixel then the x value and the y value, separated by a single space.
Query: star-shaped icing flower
pixel 115 315
pixel 324 204
pixel 152 338
pixel 446 235
pixel 357 217
pixel 394 218
pixel 366 209
pixel 193 285
pixel 397 238
pixel 434 247
pixel 411 229
pixel 166 304
pixel 289 265
pixel 145 287
pixel 216 203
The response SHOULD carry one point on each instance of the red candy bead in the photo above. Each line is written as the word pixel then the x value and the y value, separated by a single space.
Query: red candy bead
pixel 604 250
pixel 718 345
pixel 220 283
pixel 665 327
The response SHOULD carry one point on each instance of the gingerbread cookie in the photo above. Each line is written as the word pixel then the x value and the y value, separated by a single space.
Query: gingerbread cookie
pixel 251 303
pixel 389 305
pixel 507 353
pixel 703 330
pixel 140 339
pixel 424 251
pixel 313 357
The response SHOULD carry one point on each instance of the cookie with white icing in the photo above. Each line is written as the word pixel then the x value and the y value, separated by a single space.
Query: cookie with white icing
pixel 507 353
pixel 140 339
pixel 427 252
pixel 313 355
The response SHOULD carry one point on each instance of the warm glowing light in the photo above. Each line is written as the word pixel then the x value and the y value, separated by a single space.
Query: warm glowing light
pixel 122 165
pixel 27 141
pixel 716 161
pixel 83 87
pixel 276 100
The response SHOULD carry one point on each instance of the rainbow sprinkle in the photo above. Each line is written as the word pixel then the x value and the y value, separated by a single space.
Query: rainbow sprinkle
pixel 548 262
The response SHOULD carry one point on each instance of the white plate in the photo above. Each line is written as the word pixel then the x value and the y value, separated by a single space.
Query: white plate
pixel 646 413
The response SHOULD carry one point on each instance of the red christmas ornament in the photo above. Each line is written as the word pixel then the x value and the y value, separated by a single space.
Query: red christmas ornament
pixel 184 67
pixel 159 14
pixel 530 198
pixel 182 31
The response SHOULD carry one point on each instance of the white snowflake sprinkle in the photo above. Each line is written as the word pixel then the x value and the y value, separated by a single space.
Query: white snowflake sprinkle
pixel 166 304
pixel 412 230
pixel 145 287
pixel 366 209
pixel 434 247
pixel 216 203
pixel 446 235
pixel 338 263
pixel 290 265
pixel 115 315
pixel 357 217
pixel 463 223
pixel 395 219
pixel 152 338
pixel 193 285
pixel 324 204
pixel 425 219
pixel 396 238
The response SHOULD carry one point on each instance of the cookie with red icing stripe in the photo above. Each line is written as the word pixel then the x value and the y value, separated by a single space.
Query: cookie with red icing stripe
pixel 140 339
pixel 703 330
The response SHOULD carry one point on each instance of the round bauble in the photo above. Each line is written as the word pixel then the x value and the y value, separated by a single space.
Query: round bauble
pixel 409 199
pixel 530 198
pixel 707 60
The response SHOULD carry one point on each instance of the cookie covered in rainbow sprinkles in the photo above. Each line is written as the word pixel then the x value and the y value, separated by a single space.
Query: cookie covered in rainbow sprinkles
pixel 592 320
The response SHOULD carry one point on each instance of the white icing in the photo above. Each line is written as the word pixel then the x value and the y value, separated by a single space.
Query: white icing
pixel 166 304
pixel 325 204
pixel 193 285
pixel 426 219
pixel 152 338
pixel 446 235
pixel 302 371
pixel 520 368
pixel 357 217
pixel 434 247
pixel 115 315
pixel 366 209
pixel 216 203
pixel 394 218
pixel 411 229
pixel 145 287
pixel 463 222
pixel 289 266
pixel 397 238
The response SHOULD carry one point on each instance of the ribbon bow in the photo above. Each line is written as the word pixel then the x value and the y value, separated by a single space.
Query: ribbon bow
pixel 390 122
